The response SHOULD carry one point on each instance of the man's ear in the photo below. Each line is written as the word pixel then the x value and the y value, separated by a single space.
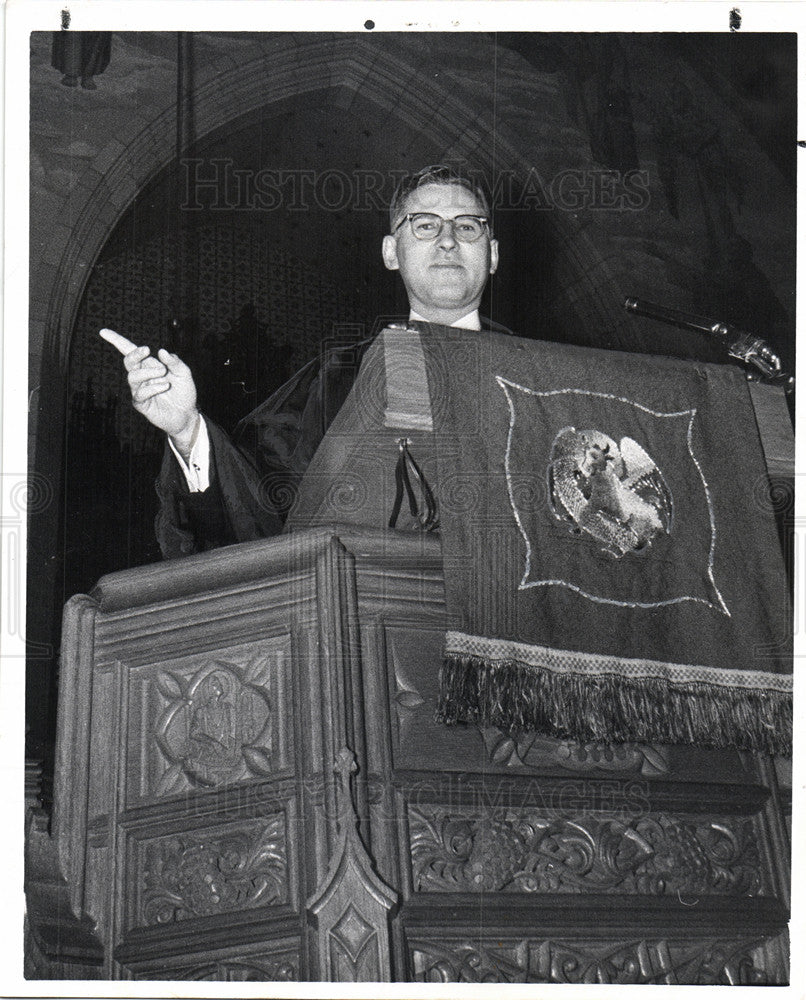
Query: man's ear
pixel 389 252
pixel 493 256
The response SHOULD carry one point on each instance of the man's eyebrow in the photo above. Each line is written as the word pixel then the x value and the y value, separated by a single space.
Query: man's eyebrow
pixel 439 215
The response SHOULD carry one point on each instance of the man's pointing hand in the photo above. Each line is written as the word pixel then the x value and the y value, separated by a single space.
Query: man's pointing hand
pixel 162 389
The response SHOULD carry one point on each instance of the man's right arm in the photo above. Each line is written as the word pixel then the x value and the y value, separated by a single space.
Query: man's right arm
pixel 162 389
pixel 199 508
pixel 195 462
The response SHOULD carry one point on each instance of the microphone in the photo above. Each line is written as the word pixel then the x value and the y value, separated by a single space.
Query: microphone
pixel 686 321
pixel 742 345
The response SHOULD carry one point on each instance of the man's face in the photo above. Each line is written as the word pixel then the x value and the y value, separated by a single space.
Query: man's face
pixel 443 277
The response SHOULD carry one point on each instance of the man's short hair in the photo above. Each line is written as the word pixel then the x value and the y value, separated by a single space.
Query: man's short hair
pixel 437 173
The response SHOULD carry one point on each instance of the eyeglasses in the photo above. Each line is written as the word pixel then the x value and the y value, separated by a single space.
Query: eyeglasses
pixel 428 226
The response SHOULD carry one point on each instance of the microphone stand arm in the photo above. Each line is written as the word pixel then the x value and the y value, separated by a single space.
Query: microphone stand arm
pixel 742 345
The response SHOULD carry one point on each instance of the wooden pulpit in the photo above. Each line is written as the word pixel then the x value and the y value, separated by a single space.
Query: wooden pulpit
pixel 251 786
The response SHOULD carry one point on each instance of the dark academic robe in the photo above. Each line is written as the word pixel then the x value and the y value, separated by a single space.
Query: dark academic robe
pixel 254 475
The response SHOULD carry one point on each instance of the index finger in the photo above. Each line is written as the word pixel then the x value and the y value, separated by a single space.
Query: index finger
pixel 116 340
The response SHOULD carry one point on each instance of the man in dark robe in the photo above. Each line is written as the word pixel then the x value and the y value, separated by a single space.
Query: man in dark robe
pixel 215 490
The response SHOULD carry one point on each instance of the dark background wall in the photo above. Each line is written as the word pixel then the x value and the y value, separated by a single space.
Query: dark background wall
pixel 656 165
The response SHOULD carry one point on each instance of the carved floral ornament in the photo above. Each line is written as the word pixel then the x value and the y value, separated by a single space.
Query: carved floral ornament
pixel 704 962
pixel 195 875
pixel 527 852
pixel 253 970
pixel 532 750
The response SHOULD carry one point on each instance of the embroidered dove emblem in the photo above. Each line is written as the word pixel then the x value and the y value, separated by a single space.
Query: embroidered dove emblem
pixel 613 492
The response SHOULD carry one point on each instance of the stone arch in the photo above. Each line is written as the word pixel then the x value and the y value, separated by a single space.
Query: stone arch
pixel 340 66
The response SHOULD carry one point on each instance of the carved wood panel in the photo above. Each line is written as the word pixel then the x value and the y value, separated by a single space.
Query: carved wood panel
pixel 222 868
pixel 530 751
pixel 209 720
pixel 532 851
pixel 355 951
pixel 727 961
pixel 253 970
pixel 279 962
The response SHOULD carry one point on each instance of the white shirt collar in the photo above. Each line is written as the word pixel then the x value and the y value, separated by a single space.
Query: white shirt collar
pixel 469 322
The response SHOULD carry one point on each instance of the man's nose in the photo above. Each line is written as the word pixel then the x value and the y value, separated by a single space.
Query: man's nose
pixel 446 238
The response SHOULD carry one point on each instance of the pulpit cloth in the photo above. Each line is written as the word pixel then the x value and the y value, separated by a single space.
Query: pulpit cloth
pixel 612 565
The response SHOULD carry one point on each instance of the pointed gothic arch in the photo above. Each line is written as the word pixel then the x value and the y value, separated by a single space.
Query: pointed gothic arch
pixel 341 67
